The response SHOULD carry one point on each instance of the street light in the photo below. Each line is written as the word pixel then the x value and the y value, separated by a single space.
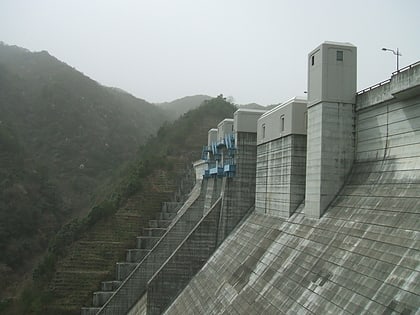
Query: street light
pixel 396 53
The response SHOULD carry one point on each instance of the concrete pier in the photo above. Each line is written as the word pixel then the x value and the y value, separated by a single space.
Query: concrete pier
pixel 331 126
pixel 281 159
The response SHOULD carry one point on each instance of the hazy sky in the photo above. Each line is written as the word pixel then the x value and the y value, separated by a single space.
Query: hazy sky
pixel 253 50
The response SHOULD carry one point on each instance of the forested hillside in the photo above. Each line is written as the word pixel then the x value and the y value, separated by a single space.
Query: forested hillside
pixel 30 209
pixel 61 136
pixel 165 155
pixel 68 123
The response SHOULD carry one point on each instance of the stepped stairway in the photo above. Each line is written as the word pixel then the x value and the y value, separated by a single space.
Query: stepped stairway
pixel 144 244
pixel 91 260
pixel 130 295
pixel 159 189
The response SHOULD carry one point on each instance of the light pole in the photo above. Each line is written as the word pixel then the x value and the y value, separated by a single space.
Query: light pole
pixel 396 53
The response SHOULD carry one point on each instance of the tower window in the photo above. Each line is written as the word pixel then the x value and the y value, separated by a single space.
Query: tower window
pixel 339 55
pixel 263 131
pixel 282 123
pixel 313 60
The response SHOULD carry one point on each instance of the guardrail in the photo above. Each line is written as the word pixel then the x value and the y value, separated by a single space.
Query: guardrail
pixel 389 80
pixel 373 86
pixel 406 68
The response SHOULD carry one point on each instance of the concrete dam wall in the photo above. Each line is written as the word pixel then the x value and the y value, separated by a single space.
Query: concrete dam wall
pixel 362 256
pixel 312 207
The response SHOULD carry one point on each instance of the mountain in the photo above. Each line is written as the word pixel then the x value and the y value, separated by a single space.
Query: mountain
pixel 67 123
pixel 73 267
pixel 62 135
pixel 252 106
pixel 180 106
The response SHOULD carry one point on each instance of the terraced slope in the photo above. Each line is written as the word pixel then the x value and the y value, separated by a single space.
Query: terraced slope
pixel 144 244
pixel 92 259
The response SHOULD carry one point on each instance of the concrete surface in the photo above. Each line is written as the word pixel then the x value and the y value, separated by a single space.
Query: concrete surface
pixel 361 257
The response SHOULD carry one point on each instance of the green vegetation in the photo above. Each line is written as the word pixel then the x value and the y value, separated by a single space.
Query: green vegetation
pixel 30 205
pixel 69 124
pixel 61 136
pixel 175 142
pixel 187 135
pixel 67 145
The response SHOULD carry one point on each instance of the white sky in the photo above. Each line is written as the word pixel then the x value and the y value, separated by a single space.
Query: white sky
pixel 253 50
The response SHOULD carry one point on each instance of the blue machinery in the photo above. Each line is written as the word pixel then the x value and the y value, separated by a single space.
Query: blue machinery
pixel 213 155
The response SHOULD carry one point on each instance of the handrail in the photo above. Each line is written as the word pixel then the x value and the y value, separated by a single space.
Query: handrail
pixel 389 80
pixel 406 68
pixel 110 306
pixel 373 86
pixel 174 252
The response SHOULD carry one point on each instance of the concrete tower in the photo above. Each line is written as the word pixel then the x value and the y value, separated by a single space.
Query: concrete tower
pixel 281 159
pixel 330 136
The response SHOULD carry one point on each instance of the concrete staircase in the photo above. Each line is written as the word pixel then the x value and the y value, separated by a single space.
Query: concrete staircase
pixel 159 188
pixel 144 244
pixel 90 260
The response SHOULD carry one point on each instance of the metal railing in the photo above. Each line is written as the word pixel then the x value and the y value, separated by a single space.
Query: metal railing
pixel 373 86
pixel 134 286
pixel 406 68
pixel 389 80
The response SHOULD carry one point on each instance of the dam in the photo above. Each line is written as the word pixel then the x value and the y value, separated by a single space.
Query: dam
pixel 312 207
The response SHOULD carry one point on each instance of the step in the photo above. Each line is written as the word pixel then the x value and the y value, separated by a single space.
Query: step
pixel 110 285
pixel 167 215
pixel 171 206
pixel 136 255
pixel 153 231
pixel 123 269
pixel 147 242
pixel 101 297
pixel 89 310
pixel 159 223
pixel 65 283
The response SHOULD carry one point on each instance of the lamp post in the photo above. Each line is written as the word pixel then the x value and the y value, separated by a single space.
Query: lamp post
pixel 396 53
